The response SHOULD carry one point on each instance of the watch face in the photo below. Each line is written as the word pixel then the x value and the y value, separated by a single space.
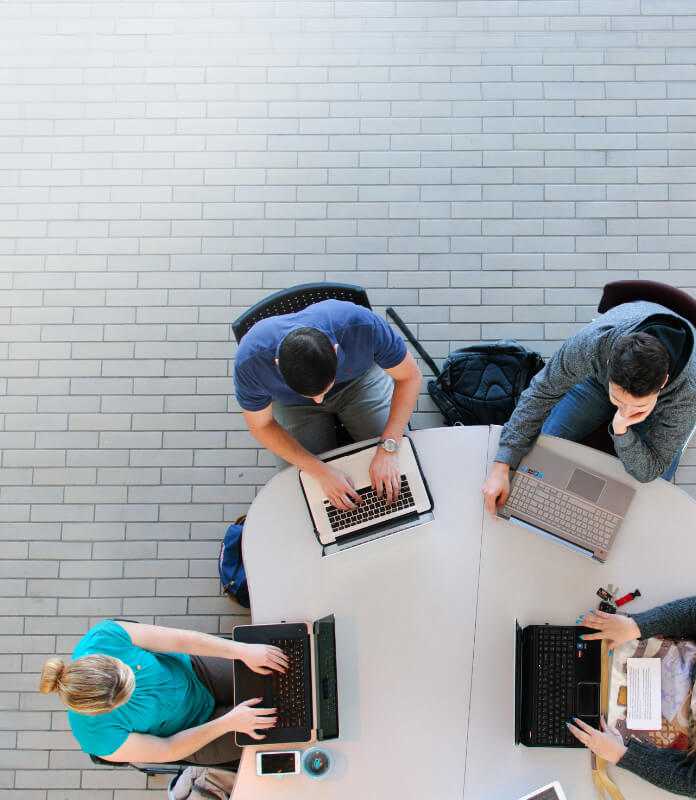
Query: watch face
pixel 390 445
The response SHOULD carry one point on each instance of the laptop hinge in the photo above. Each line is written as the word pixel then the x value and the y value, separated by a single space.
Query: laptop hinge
pixel 576 548
pixel 362 537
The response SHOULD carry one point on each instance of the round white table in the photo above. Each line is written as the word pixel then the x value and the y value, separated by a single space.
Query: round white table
pixel 425 627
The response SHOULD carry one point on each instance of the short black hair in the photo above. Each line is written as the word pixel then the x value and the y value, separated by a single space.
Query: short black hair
pixel 307 361
pixel 639 364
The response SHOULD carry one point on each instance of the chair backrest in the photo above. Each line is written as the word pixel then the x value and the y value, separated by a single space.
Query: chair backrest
pixel 296 298
pixel 169 768
pixel 675 300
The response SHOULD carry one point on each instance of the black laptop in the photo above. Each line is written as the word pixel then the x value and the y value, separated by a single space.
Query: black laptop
pixel 306 695
pixel 557 676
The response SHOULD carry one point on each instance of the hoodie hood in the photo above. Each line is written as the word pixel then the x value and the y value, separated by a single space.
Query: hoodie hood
pixel 676 336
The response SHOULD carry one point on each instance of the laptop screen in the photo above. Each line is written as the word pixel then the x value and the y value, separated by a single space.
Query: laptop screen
pixel 326 677
pixel 518 681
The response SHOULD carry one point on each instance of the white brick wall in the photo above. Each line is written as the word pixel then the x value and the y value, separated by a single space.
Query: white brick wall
pixel 486 166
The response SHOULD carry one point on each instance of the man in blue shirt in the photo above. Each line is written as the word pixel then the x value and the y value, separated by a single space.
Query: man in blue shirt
pixel 295 373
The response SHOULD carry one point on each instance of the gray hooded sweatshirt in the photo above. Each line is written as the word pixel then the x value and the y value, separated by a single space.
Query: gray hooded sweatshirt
pixel 646 449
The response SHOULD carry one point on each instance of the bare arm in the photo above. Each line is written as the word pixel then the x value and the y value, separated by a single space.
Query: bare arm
pixel 141 747
pixel 176 640
pixel 275 438
pixel 385 473
pixel 260 658
pixel 407 385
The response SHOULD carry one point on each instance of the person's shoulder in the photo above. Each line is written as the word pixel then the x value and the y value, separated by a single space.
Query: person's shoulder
pixel 82 725
pixel 105 636
pixel 257 340
pixel 343 312
pixel 99 734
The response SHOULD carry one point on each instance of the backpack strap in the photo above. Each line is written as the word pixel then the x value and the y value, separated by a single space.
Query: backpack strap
pixel 403 327
pixel 605 786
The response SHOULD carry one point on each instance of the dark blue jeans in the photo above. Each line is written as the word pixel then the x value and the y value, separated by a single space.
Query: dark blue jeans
pixel 582 410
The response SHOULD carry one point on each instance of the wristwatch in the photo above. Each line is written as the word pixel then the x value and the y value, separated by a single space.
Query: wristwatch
pixel 389 445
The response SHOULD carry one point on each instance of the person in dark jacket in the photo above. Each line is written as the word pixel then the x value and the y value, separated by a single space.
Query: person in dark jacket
pixel 632 369
pixel 672 770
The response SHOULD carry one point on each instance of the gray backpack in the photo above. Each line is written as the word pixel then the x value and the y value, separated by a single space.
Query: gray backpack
pixel 202 783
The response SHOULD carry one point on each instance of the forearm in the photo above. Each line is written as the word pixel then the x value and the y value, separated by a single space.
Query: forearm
pixel 404 399
pixel 676 620
pixel 648 455
pixel 203 644
pixel 523 427
pixel 184 743
pixel 672 770
pixel 570 365
pixel 535 403
pixel 638 458
pixel 159 639
pixel 276 439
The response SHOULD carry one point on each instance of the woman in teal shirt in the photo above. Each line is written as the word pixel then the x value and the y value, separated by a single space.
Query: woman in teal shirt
pixel 146 693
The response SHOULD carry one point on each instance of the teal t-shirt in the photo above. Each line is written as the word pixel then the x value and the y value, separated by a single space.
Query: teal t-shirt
pixel 168 696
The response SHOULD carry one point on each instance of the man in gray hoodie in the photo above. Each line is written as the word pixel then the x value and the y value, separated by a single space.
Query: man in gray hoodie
pixel 634 369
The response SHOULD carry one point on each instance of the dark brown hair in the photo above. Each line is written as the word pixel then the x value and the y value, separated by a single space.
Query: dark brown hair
pixel 639 364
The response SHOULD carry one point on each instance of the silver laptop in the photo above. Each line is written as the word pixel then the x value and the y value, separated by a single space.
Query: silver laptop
pixel 373 518
pixel 573 505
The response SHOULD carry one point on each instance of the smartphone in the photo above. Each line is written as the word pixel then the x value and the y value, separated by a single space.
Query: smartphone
pixel 278 762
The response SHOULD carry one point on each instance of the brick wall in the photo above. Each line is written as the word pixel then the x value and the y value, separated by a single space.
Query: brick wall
pixel 484 165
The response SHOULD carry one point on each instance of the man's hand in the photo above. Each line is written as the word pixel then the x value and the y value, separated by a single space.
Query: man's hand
pixel 615 628
pixel 497 487
pixel 607 743
pixel 248 718
pixel 621 424
pixel 385 474
pixel 338 487
pixel 263 658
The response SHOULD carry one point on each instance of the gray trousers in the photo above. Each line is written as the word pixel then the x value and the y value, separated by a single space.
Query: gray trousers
pixel 216 675
pixel 362 406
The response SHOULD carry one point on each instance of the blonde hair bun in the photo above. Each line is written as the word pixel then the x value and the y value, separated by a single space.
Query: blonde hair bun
pixel 51 675
pixel 92 684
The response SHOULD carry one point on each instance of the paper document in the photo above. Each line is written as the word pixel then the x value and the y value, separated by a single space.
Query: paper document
pixel 644 680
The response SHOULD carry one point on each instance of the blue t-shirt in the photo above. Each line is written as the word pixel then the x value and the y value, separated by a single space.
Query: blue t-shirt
pixel 168 696
pixel 363 339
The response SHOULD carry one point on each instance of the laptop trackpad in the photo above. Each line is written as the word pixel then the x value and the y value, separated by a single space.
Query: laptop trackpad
pixel 588 486
pixel 588 700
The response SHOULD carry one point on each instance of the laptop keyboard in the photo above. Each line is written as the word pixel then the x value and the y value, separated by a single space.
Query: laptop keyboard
pixel 562 510
pixel 556 686
pixel 371 508
pixel 289 687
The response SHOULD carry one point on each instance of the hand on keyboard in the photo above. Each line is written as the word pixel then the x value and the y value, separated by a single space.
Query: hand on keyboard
pixel 338 487
pixel 607 743
pixel 497 487
pixel 385 474
pixel 615 628
pixel 248 718
pixel 264 658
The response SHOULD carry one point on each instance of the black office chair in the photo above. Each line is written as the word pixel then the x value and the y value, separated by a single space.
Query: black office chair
pixel 619 292
pixel 296 298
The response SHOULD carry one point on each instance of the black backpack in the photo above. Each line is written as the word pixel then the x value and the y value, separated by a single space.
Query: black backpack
pixel 478 385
